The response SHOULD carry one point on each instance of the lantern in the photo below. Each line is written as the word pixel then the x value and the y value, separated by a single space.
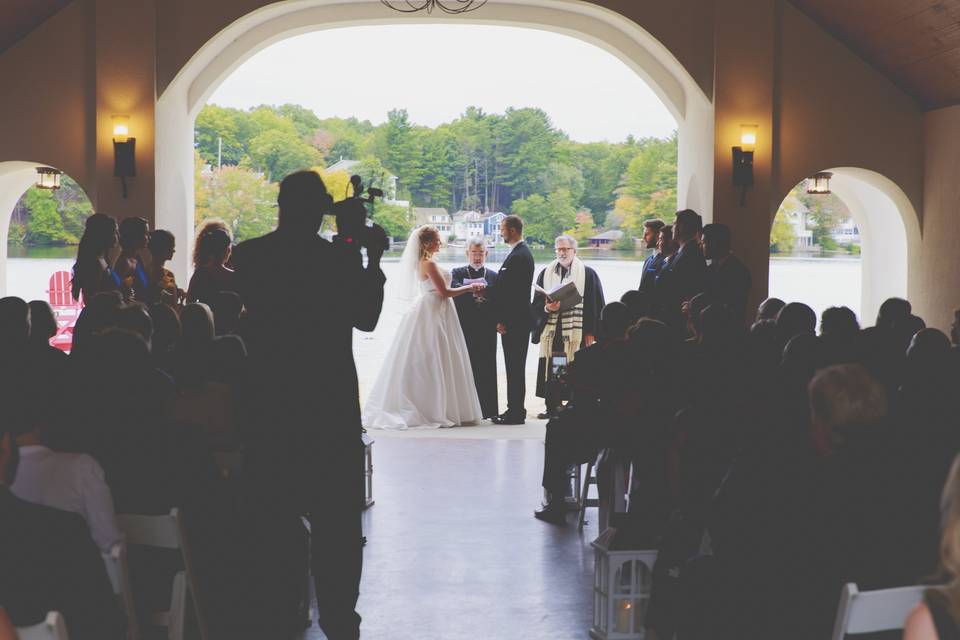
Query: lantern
pixel 819 183
pixel 48 178
pixel 367 471
pixel 622 581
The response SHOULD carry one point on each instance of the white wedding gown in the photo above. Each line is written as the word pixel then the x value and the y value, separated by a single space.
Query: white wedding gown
pixel 425 380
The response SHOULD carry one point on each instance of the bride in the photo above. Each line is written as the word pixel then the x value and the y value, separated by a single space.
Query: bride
pixel 426 379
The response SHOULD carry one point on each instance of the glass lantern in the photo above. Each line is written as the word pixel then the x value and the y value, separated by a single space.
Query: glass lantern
pixel 367 471
pixel 48 178
pixel 819 183
pixel 622 581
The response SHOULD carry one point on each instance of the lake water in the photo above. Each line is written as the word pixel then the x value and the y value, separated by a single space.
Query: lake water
pixel 820 283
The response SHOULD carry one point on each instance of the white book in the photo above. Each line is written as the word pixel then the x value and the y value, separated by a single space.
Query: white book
pixel 566 294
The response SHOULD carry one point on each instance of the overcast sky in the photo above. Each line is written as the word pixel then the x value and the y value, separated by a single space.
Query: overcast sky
pixel 436 71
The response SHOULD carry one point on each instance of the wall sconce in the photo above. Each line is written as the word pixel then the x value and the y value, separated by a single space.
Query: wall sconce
pixel 819 183
pixel 48 178
pixel 743 160
pixel 124 165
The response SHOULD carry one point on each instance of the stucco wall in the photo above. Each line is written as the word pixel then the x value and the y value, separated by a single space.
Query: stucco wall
pixel 935 290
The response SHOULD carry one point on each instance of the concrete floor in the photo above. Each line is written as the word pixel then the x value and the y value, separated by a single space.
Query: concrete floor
pixel 454 551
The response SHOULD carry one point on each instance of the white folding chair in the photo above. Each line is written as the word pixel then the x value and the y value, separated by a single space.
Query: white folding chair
pixel 53 628
pixel 167 532
pixel 115 562
pixel 871 611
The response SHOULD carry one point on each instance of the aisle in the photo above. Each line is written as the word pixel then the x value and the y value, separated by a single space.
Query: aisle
pixel 454 551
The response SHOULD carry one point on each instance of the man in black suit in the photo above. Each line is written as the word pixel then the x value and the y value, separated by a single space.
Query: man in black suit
pixel 509 300
pixel 728 279
pixel 651 266
pixel 479 329
pixel 685 275
pixel 48 562
pixel 304 297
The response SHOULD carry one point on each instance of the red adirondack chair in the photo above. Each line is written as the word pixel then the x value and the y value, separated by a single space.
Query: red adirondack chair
pixel 65 309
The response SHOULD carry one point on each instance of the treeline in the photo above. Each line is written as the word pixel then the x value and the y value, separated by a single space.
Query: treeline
pixel 516 161
pixel 44 217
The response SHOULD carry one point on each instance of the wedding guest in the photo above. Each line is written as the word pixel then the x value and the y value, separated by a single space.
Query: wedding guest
pixel 129 267
pixel 509 303
pixel 43 327
pixel 641 304
pixel 651 266
pixel 92 272
pixel 938 616
pixel 479 329
pixel 728 279
pixel 226 307
pixel 685 275
pixel 163 285
pixel 99 313
pixel 49 563
pixel 769 309
pixel 166 334
pixel 563 332
pixel 210 256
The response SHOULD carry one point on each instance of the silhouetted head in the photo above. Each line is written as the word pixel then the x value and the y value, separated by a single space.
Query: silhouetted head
pixel 212 244
pixel 614 321
pixel 801 356
pixel 196 322
pixel 303 200
pixel 639 303
pixel 687 225
pixel 844 399
pixel 162 245
pixel 716 241
pixel 116 350
pixel 696 306
pixel 14 322
pixel 134 317
pixel 43 323
pixel 134 234
pixel 650 339
pixel 770 308
pixel 893 312
pixel 840 323
pixel 226 307
pixel 928 354
pixel 794 319
pixel 166 327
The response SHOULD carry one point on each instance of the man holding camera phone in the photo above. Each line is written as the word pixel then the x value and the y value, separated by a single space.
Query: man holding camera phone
pixel 304 296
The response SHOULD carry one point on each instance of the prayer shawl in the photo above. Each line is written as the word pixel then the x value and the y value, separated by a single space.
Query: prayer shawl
pixel 571 320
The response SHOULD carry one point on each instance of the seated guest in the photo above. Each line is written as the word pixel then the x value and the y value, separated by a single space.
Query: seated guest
pixel 640 304
pixel 210 255
pixel 129 267
pixel 43 327
pixel 651 266
pixel 49 563
pixel 226 307
pixel 769 309
pixel 728 279
pixel 166 335
pixel 794 319
pixel 163 285
pixel 840 334
pixel 938 616
pixel 136 318
pixel 99 313
pixel 572 437
pixel 92 272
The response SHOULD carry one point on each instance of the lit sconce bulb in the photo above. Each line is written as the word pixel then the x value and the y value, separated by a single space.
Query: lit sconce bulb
pixel 121 128
pixel 748 137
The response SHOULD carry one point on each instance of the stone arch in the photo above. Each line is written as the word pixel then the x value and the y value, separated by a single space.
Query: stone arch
pixel 889 232
pixel 179 104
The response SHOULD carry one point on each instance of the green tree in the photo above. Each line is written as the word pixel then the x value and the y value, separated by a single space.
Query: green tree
pixel 45 226
pixel 782 236
pixel 304 120
pixel 243 199
pixel 584 229
pixel 526 142
pixel 215 123
pixel 546 218
pixel 394 219
pixel 279 152
pixel 402 153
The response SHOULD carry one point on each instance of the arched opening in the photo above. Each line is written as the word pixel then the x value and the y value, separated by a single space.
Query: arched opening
pixel 853 247
pixel 180 103
pixel 39 229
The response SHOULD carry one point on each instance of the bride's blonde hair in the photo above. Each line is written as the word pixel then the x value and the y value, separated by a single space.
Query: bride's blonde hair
pixel 426 236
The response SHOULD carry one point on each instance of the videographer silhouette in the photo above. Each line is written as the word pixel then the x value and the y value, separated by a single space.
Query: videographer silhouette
pixel 304 296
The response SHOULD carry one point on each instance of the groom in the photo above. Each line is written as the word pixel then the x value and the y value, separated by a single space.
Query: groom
pixel 509 298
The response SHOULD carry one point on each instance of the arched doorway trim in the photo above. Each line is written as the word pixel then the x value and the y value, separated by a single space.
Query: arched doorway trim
pixel 15 178
pixel 211 64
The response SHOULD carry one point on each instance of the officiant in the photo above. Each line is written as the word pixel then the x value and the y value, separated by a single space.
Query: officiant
pixel 560 330
pixel 479 329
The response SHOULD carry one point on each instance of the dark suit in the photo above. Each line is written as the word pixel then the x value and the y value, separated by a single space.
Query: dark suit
pixel 729 283
pixel 509 301
pixel 304 296
pixel 49 563
pixel 651 267
pixel 684 276
pixel 480 332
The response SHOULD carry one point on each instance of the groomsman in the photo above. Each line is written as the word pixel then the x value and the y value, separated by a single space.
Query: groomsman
pixel 479 329
pixel 509 300
pixel 651 266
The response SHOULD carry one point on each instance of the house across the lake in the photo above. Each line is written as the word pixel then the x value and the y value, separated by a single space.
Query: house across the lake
pixel 606 240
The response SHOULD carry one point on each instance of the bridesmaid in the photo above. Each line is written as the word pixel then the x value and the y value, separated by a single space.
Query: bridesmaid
pixel 134 235
pixel 91 272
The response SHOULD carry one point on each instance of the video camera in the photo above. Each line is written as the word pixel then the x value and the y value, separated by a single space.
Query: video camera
pixel 353 225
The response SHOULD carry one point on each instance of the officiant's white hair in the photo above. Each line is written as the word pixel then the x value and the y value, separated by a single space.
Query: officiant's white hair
pixel 570 240
pixel 476 242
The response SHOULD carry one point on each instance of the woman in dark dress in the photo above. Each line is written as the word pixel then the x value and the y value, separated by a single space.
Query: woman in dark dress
pixel 134 236
pixel 91 272
pixel 210 255
pixel 936 618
